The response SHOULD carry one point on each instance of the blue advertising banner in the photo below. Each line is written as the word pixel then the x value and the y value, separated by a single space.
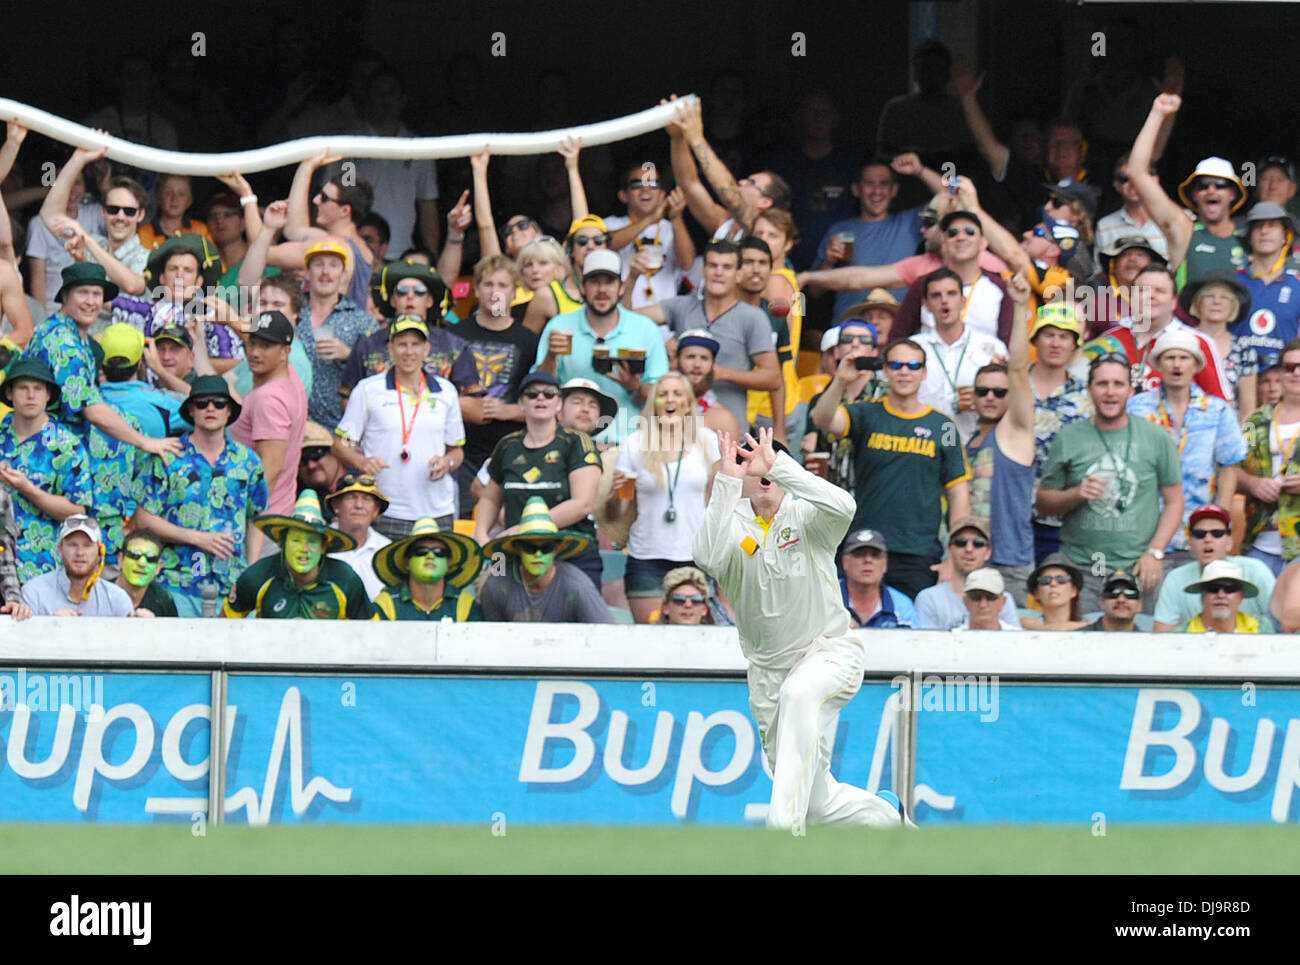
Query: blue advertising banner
pixel 1107 753
pixel 474 750
pixel 103 746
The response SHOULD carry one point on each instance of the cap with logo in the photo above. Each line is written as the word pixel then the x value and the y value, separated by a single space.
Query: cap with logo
pixel 1121 578
pixel 408 323
pixel 1080 192
pixel 865 538
pixel 272 327
pixel 174 333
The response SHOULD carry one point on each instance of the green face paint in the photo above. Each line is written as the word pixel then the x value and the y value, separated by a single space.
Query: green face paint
pixel 140 572
pixel 303 551
pixel 535 564
pixel 428 568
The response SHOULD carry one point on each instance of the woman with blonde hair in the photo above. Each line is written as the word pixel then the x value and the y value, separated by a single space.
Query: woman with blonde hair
pixel 686 598
pixel 663 471
pixel 1217 300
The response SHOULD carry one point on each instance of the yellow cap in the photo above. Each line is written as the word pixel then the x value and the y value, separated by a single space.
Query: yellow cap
pixel 408 323
pixel 588 221
pixel 1060 315
pixel 327 247
pixel 123 345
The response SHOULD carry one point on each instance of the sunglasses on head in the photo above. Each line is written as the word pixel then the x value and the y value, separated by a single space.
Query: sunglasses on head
pixel 315 453
pixel 984 390
pixel 522 225
pixel 127 210
pixel 1223 586
pixel 144 557
pixel 1127 593
pixel 1061 578
pixel 1207 533
pixel 541 393
pixel 213 402
pixel 350 480
pixel 969 229
pixel 441 552
pixel 544 548
pixel 961 542
pixel 913 366
pixel 583 241
pixel 411 290
pixel 681 599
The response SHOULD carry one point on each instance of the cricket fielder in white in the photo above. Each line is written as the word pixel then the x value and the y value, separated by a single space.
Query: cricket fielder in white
pixel 774 558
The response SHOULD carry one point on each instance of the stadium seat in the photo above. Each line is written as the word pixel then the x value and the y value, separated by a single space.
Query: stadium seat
pixel 810 385
pixel 615 565
pixel 465 527
pixel 808 363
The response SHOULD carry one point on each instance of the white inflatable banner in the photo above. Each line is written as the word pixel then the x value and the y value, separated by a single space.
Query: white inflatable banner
pixel 347 145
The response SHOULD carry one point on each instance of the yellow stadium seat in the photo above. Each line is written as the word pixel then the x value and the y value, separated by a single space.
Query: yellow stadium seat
pixel 465 527
pixel 810 385
pixel 808 363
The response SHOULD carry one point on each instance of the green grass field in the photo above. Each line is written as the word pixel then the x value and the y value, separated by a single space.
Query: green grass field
pixel 107 849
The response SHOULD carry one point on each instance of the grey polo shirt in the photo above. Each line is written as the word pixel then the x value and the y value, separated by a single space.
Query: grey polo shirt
pixel 49 592
pixel 742 332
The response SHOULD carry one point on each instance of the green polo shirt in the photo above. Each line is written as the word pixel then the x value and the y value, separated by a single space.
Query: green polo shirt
pixel 267 589
pixel 395 603
pixel 523 472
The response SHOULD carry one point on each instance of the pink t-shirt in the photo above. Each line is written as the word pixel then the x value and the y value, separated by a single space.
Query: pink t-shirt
pixel 918 266
pixel 276 410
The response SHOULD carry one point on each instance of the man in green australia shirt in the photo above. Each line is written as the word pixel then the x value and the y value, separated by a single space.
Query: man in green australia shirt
pixel 425 573
pixel 1107 477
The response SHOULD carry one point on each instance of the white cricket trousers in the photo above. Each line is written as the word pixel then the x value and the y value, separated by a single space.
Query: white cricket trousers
pixel 797 712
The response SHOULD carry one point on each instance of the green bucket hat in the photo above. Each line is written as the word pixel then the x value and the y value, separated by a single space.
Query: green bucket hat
pixel 207 253
pixel 383 281
pixel 205 386
pixel 535 524
pixel 391 564
pixel 306 517
pixel 30 368
pixel 81 273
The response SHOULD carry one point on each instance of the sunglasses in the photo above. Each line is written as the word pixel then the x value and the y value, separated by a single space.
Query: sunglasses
pixel 969 230
pixel 584 241
pixel 913 366
pixel 541 394
pixel 643 183
pixel 441 552
pixel 1059 578
pixel 1219 183
pixel 351 480
pixel 315 454
pixel 859 339
pixel 1207 533
pixel 130 212
pixel 1128 594
pixel 1290 369
pixel 545 549
pixel 409 290
pixel 927 221
pixel 212 402
pixel 961 542
pixel 523 225
pixel 1221 587
pixel 325 197
pixel 1056 201
pixel 983 390
pixel 981 596
pixel 143 557
pixel 681 599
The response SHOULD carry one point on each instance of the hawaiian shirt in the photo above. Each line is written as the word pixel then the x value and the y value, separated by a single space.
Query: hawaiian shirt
pixel 58 343
pixel 54 460
pixel 191 493
pixel 1285 513
pixel 1068 403
pixel 1211 438
pixel 348 324
pixel 113 468
pixel 10 588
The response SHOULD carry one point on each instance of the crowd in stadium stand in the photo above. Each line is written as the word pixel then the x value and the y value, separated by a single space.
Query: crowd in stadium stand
pixel 1061 397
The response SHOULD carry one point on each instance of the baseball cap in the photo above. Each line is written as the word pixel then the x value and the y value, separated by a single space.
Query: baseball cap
pixel 538 377
pixel 1080 192
pixel 952 216
pixel 327 247
pixel 865 537
pixel 408 323
pixel 223 199
pixel 970 522
pixel 602 261
pixel 123 345
pixel 80 523
pixel 174 333
pixel 1281 161
pixel 695 336
pixel 588 221
pixel 830 338
pixel 272 327
pixel 1210 512
pixel 987 579
pixel 1121 578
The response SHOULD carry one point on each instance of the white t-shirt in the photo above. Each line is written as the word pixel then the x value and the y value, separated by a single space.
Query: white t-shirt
pixel 42 244
pixel 948 367
pixel 398 186
pixel 652 537
pixel 373 421
pixel 360 559
pixel 982 312
pixel 664 282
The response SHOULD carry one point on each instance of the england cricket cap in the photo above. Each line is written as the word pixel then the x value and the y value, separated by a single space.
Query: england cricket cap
pixel 80 523
pixel 865 538
pixel 987 579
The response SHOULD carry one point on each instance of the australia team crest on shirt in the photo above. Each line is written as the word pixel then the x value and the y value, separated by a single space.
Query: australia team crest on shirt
pixel 788 536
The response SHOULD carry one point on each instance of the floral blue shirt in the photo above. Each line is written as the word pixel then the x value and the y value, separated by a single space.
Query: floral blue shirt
pixel 1211 438
pixel 349 324
pixel 113 468
pixel 58 343
pixel 54 460
pixel 1069 403
pixel 191 493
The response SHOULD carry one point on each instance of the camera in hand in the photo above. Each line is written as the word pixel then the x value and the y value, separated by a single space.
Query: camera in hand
pixel 869 363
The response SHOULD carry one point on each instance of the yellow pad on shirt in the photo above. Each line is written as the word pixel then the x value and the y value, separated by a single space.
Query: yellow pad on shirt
pixel 749 545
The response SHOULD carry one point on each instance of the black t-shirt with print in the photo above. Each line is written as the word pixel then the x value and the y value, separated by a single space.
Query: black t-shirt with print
pixel 503 359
